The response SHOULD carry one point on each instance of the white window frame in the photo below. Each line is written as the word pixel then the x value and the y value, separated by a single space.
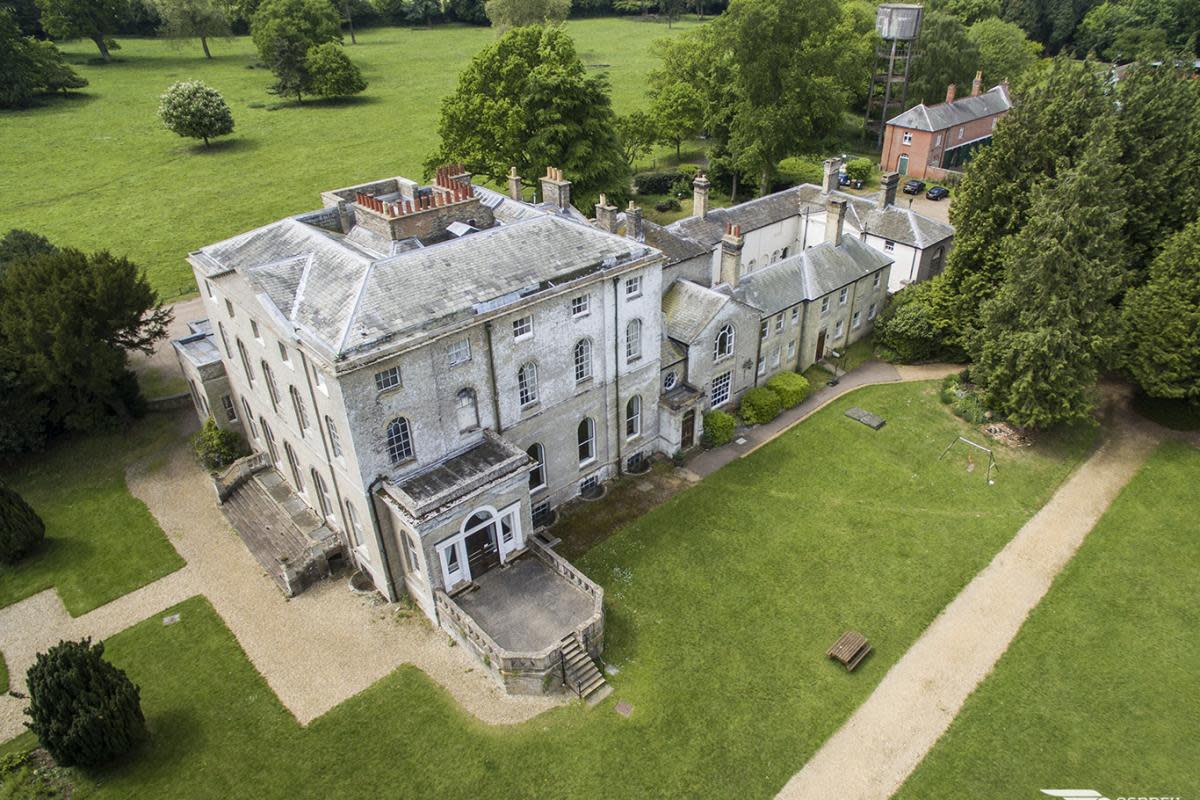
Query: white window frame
pixel 298 406
pixel 229 310
pixel 581 306
pixel 824 305
pixel 527 384
pixel 722 389
pixel 522 328
pixel 871 312
pixel 779 322
pixel 906 138
pixel 875 281
pixel 633 287
pixel 250 419
pixel 843 295
pixel 272 386
pixel 839 329
pixel 764 329
pixel 633 341
pixel 761 369
pixel 776 356
pixel 587 441
pixel 458 352
pixel 796 315
pixel 357 540
pixel 856 320
pixel 399 446
pixel 888 247
pixel 669 381
pixel 335 442
pixel 539 467
pixel 791 349
pixel 633 417
pixel 581 357
pixel 730 340
pixel 230 409
pixel 388 379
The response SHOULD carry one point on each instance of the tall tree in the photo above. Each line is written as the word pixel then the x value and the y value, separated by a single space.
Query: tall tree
pixel 678 113
pixel 967 11
pixel 788 91
pixel 1158 130
pixel 1042 136
pixel 193 19
pixel 1052 326
pixel 944 55
pixel 527 101
pixel 28 66
pixel 506 14
pixel 637 134
pixel 1162 321
pixel 90 19
pixel 422 11
pixel 67 323
pixel 284 30
pixel 1005 53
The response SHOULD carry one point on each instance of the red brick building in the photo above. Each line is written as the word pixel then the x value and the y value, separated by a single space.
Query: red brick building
pixel 930 141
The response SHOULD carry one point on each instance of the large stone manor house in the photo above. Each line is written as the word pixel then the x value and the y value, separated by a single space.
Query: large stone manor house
pixel 425 372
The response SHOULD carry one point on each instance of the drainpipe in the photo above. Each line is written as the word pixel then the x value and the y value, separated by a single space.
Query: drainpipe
pixel 487 330
pixel 337 491
pixel 383 553
pixel 617 366
pixel 758 354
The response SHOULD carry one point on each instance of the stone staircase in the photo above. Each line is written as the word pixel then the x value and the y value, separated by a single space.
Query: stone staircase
pixel 581 674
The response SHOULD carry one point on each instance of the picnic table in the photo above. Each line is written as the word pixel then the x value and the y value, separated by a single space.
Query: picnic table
pixel 849 650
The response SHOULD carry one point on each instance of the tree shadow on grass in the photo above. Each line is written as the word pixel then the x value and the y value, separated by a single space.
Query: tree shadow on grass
pixel 236 144
pixel 323 102
pixel 57 101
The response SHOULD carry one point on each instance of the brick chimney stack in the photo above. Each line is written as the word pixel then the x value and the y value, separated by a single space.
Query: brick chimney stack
pixel 514 184
pixel 700 195
pixel 950 91
pixel 835 221
pixel 977 84
pixel 887 185
pixel 606 215
pixel 633 223
pixel 833 166
pixel 731 255
pixel 555 190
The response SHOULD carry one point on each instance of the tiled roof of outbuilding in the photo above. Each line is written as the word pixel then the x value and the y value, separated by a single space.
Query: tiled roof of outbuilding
pixel 963 110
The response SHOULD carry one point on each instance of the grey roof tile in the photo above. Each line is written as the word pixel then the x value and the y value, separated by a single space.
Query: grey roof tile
pixel 809 275
pixel 688 308
pixel 945 115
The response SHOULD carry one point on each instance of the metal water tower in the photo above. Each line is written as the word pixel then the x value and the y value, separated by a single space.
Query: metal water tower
pixel 898 26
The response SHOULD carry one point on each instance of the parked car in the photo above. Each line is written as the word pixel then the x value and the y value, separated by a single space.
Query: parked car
pixel 844 180
pixel 938 193
pixel 914 187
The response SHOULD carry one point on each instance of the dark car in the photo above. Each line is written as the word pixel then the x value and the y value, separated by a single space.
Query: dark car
pixel 914 187
pixel 938 193
pixel 843 179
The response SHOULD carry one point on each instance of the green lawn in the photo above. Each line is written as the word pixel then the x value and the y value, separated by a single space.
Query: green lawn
pixel 1100 689
pixel 99 171
pixel 100 542
pixel 721 603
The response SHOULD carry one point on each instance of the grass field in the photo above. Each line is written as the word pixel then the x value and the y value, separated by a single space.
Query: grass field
pixel 1100 689
pixel 720 602
pixel 101 542
pixel 98 170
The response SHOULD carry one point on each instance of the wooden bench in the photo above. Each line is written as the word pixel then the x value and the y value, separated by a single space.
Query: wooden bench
pixel 850 649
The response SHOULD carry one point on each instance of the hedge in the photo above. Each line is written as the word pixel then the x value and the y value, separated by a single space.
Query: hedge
pixel 718 428
pixel 792 388
pixel 760 405
pixel 658 182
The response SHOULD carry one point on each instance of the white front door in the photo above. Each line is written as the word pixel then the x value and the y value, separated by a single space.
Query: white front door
pixel 454 563
pixel 511 538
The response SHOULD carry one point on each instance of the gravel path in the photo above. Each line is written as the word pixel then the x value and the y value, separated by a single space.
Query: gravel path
pixel 873 753
pixel 315 650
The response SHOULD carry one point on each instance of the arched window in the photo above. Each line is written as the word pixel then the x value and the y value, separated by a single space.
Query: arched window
pixel 272 388
pixel 225 340
pixel 245 362
pixel 399 441
pixel 583 360
pixel 468 412
pixel 249 417
pixel 322 494
pixel 537 475
pixel 298 405
pixel 633 340
pixel 269 435
pixel 294 466
pixel 586 435
pixel 527 384
pixel 724 344
pixel 335 441
pixel 633 417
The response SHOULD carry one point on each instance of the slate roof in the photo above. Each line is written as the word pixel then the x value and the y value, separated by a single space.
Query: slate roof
pixel 671 352
pixel 963 110
pixel 808 275
pixel 348 299
pixel 681 239
pixel 688 308
pixel 456 476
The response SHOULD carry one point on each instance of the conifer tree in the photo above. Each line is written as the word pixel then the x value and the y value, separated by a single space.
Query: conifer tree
pixel 1051 326
pixel 1162 321
pixel 21 529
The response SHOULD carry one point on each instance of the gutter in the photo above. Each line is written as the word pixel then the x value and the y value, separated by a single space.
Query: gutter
pixel 616 415
pixel 383 554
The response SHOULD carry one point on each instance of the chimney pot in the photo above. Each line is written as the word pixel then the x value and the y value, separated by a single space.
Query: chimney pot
pixel 950 90
pixel 835 221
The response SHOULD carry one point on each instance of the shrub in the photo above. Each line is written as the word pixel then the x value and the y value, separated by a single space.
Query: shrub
pixel 669 204
pixel 656 182
pixel 760 405
pixel 190 108
pixel 969 407
pixel 21 529
pixel 800 170
pixel 682 187
pixel 83 709
pixel 718 428
pixel 916 324
pixel 216 447
pixel 791 388
pixel 331 72
pixel 859 169
pixel 950 387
